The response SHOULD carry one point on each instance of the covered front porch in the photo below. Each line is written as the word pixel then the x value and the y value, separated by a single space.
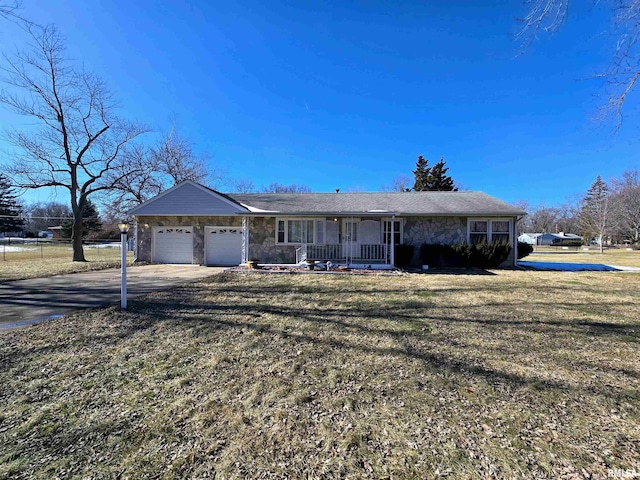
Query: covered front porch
pixel 343 240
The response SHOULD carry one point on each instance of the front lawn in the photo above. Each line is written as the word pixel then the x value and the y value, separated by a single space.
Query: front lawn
pixel 611 256
pixel 511 375
pixel 37 260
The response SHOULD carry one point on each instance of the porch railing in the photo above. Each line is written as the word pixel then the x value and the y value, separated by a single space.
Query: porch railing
pixel 342 252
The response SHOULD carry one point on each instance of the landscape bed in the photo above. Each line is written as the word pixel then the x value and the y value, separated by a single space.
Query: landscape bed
pixel 511 375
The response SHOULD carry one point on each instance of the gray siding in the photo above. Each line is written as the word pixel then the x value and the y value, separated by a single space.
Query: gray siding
pixel 188 199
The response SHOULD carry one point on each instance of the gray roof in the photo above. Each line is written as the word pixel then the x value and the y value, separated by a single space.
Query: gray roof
pixel 409 203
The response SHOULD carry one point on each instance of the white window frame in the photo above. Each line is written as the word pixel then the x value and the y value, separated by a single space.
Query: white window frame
pixel 401 231
pixel 490 221
pixel 286 230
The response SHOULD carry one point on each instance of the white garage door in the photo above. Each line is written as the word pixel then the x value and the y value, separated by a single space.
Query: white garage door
pixel 173 244
pixel 223 245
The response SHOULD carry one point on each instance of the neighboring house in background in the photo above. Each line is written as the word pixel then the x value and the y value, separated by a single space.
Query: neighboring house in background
pixel 554 239
pixel 56 233
pixel 193 224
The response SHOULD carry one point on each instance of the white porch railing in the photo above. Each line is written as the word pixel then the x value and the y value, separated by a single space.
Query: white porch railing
pixel 342 252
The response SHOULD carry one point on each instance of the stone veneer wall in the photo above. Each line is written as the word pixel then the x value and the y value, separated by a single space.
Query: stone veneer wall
pixel 146 224
pixel 262 231
pixel 262 242
pixel 445 230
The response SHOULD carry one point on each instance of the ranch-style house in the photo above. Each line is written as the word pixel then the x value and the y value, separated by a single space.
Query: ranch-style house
pixel 193 224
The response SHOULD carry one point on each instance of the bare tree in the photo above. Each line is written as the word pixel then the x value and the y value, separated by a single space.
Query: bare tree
pixel 148 170
pixel 279 188
pixel 9 10
pixel 623 72
pixel 544 219
pixel 625 201
pixel 75 138
pixel 243 186
pixel 401 183
pixel 40 216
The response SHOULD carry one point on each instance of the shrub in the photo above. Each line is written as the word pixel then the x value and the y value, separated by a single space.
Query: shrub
pixel 524 249
pixel 403 254
pixel 481 255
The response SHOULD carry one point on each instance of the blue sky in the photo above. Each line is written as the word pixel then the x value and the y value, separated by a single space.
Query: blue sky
pixel 347 94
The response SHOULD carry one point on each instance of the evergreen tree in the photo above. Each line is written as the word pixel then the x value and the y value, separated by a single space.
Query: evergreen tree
pixel 594 214
pixel 421 174
pixel 90 221
pixel 10 211
pixel 438 180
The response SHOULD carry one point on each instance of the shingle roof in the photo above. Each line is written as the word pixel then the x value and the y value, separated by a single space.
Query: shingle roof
pixel 409 203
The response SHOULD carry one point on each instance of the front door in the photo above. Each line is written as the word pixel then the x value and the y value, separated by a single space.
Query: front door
pixel 350 242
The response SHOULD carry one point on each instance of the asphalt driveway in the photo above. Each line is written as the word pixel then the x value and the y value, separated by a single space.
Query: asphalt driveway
pixel 26 302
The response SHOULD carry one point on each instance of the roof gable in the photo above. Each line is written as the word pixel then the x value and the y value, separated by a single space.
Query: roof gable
pixel 189 198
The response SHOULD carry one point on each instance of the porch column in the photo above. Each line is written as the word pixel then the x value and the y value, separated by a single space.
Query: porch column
pixel 393 240
pixel 245 240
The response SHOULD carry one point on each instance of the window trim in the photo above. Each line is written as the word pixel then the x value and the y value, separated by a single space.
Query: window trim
pixel 490 232
pixel 400 231
pixel 286 230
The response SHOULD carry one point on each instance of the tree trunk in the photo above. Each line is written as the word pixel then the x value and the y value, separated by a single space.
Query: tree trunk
pixel 76 239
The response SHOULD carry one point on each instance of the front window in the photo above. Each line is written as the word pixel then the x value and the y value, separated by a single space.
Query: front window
pixel 490 230
pixel 295 231
pixel 478 232
pixel 500 231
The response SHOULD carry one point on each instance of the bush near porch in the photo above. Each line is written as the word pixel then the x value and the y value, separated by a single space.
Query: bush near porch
pixel 481 255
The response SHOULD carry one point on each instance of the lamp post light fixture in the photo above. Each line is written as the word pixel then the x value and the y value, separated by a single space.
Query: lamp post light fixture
pixel 124 228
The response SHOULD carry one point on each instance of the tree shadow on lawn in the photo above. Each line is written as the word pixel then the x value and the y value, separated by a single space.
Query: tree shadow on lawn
pixel 226 317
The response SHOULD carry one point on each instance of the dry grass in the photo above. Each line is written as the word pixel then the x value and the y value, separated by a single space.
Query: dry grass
pixel 48 259
pixel 614 256
pixel 512 375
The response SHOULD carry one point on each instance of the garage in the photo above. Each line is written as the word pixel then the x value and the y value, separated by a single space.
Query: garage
pixel 173 244
pixel 223 245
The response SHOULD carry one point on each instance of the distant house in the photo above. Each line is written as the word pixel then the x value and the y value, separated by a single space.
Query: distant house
pixel 56 233
pixel 193 224
pixel 561 239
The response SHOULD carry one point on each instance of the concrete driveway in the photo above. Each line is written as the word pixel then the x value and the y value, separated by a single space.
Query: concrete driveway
pixel 27 302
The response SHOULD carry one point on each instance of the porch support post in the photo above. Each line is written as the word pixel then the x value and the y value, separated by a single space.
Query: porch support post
pixel 245 240
pixel 393 240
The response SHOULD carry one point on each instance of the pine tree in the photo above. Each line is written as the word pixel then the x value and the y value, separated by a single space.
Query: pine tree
pixel 421 174
pixel 10 211
pixel 594 214
pixel 90 221
pixel 438 180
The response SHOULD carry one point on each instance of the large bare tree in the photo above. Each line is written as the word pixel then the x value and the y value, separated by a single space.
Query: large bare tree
pixel 75 140
pixel 626 205
pixel 623 72
pixel 148 170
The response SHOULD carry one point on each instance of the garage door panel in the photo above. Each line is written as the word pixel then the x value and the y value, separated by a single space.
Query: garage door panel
pixel 173 245
pixel 223 245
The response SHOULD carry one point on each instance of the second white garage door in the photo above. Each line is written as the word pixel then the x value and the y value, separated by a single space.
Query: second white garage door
pixel 173 245
pixel 223 245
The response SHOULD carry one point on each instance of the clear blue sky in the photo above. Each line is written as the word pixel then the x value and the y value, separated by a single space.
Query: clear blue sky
pixel 348 94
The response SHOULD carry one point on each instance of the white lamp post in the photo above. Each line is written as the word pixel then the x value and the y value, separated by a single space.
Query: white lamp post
pixel 124 228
